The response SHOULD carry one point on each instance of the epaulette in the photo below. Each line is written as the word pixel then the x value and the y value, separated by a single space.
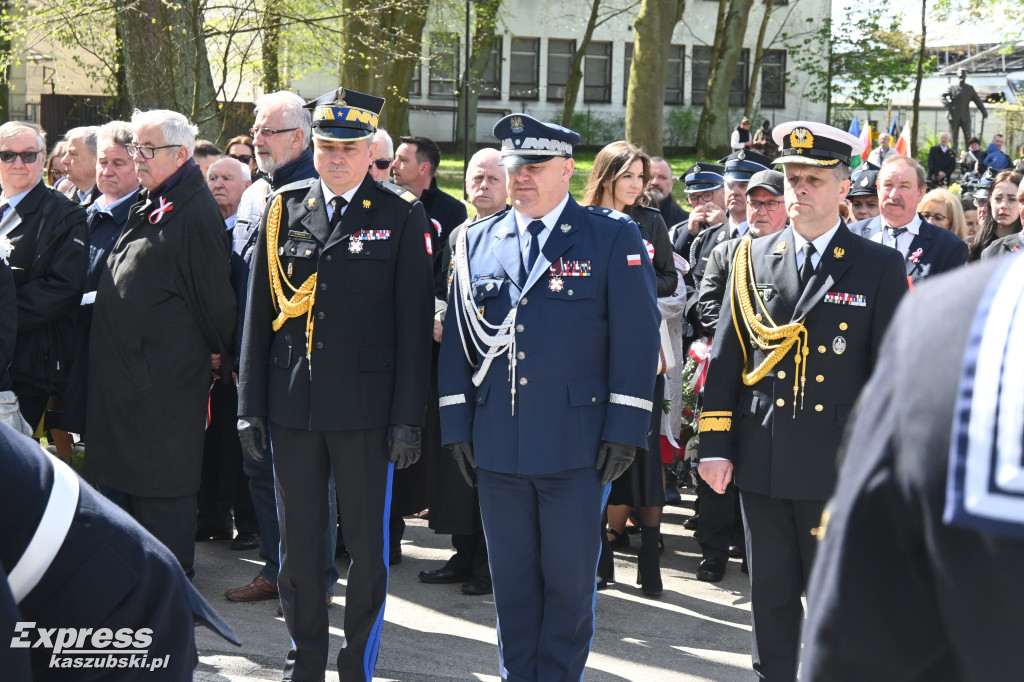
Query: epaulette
pixel 609 213
pixel 398 191
pixel 298 184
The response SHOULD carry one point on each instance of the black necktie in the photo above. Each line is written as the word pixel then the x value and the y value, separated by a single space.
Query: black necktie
pixel 807 269
pixel 3 209
pixel 895 232
pixel 339 202
pixel 534 229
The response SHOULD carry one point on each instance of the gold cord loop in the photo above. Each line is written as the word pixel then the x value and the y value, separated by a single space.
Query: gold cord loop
pixel 302 299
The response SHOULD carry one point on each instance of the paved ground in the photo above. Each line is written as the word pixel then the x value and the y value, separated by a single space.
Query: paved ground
pixel 695 631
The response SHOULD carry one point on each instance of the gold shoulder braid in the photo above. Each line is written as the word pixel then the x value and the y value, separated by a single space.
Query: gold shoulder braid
pixel 302 298
pixel 775 339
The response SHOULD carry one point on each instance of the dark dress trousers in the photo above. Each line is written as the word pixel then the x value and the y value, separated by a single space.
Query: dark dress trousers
pixel 586 338
pixel 369 368
pixel 932 251
pixel 898 592
pixel 784 454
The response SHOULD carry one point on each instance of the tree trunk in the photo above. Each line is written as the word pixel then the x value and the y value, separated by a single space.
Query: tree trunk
pixel 921 56
pixel 645 99
pixel 755 69
pixel 713 133
pixel 270 47
pixel 572 86
pixel 5 49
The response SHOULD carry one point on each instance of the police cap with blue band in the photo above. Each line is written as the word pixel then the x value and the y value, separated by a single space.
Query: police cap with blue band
pixel 345 114
pixel 743 163
pixel 525 140
pixel 815 144
pixel 701 177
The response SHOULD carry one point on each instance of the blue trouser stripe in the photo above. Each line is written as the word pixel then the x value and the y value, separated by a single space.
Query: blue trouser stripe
pixel 373 645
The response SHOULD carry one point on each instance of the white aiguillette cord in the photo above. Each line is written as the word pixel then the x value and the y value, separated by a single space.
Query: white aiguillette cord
pixel 488 345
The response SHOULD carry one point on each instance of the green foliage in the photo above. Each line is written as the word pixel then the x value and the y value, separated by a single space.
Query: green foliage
pixel 598 128
pixel 680 127
pixel 931 138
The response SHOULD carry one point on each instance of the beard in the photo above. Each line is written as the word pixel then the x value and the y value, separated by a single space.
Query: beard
pixel 657 195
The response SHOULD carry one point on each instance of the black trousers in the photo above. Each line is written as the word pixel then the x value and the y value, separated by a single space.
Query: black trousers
pixel 224 486
pixel 780 552
pixel 363 474
pixel 717 521
pixel 172 520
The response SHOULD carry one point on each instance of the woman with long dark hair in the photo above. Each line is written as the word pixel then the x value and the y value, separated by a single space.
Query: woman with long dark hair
pixel 1003 216
pixel 617 182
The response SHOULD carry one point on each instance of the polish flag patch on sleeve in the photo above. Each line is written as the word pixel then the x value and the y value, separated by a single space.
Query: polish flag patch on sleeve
pixel 633 259
pixel 430 247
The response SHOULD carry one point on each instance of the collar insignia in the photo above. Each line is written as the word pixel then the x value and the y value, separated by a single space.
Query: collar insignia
pixel 367 203
pixel 780 247
pixel 565 228
pixel 839 253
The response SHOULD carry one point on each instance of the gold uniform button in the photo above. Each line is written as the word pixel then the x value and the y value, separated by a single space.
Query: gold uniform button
pixel 843 326
pixel 782 374
pixel 818 408
pixel 780 402
pixel 820 378
pixel 822 349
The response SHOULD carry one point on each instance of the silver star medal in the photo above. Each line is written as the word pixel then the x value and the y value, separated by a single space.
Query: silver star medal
pixel 355 246
pixel 556 284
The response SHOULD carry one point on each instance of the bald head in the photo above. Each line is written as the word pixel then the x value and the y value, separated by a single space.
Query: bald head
pixel 486 182
pixel 227 179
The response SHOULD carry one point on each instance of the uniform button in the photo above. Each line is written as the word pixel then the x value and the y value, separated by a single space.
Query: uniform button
pixel 820 378
pixel 323 287
pixel 780 402
pixel 593 398
pixel 520 328
pixel 294 249
pixel 843 326
pixel 327 258
pixel 523 301
pixel 818 408
pixel 321 316
pixel 822 349
pixel 309 252
pixel 520 355
pixel 570 292
pixel 319 345
pixel 782 374
pixel 522 381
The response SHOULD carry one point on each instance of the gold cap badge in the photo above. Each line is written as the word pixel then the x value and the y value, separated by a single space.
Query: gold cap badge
pixel 801 138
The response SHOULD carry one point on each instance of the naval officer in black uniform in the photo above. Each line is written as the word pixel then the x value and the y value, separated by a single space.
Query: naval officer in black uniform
pixel 800 331
pixel 335 364
pixel 547 383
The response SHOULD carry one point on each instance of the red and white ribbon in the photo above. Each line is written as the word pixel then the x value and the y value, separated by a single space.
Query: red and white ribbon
pixel 156 215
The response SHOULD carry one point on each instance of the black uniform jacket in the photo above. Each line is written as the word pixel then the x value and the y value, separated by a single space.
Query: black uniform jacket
pixel 372 315
pixel 655 236
pixel 700 251
pixel 846 309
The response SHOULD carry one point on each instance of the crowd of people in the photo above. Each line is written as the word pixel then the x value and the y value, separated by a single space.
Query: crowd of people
pixel 288 343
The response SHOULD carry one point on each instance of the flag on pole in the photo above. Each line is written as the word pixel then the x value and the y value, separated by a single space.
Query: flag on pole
pixel 865 137
pixel 902 145
pixel 855 131
pixel 892 128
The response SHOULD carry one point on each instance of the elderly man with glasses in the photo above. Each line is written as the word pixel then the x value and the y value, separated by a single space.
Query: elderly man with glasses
pixel 49 261
pixel 164 313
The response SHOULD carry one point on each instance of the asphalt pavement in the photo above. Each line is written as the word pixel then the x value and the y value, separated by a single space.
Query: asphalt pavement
pixel 694 631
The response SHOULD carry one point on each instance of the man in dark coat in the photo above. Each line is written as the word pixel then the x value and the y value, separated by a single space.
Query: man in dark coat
pixel 941 162
pixel 163 308
pixel 926 249
pixel 76 565
pixel 49 260
pixel 918 572
pixel 811 303
pixel 660 187
pixel 335 365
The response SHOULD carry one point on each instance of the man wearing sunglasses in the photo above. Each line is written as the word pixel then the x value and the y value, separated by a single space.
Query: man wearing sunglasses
pixel 383 151
pixel 49 260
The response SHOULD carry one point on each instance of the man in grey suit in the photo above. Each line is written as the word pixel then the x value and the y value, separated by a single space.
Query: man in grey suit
pixel 957 98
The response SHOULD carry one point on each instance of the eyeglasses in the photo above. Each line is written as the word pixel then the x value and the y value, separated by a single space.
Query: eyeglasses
pixel 937 216
pixel 27 157
pixel 244 158
pixel 767 205
pixel 382 164
pixel 700 197
pixel 145 151
pixel 269 132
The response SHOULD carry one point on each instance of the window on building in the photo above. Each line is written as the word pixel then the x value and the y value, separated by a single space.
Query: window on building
pixel 444 64
pixel 415 84
pixel 675 74
pixel 627 64
pixel 773 79
pixel 524 69
pixel 701 67
pixel 597 72
pixel 560 54
pixel 489 86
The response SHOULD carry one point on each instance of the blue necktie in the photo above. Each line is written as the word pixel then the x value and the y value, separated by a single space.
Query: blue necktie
pixel 534 229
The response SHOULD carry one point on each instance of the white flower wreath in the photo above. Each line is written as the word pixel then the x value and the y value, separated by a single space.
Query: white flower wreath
pixel 6 247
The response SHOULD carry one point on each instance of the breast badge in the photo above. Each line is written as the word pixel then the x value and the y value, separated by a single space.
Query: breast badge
pixel 839 345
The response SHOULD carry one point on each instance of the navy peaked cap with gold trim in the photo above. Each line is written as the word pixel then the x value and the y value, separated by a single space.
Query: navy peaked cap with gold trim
pixel 743 163
pixel 345 114
pixel 815 144
pixel 702 176
pixel 525 140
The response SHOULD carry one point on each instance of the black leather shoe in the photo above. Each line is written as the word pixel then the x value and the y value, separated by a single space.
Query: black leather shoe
pixel 711 571
pixel 735 551
pixel 445 575
pixel 395 556
pixel 245 541
pixel 691 523
pixel 477 585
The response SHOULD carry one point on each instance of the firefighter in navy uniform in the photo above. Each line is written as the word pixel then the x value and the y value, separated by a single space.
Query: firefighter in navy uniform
pixel 800 331
pixel 335 365
pixel 546 380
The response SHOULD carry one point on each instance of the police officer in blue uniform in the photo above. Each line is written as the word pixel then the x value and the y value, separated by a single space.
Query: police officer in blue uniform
pixel 335 364
pixel 546 381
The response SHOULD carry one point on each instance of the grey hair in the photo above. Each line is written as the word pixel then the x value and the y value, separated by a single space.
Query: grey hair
pixel 88 133
pixel 174 127
pixel 381 137
pixel 243 168
pixel 14 128
pixel 115 132
pixel 909 162
pixel 293 113
pixel 842 172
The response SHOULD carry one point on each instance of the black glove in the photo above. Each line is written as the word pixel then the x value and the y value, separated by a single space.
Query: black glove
pixel 462 453
pixel 252 432
pixel 613 459
pixel 404 445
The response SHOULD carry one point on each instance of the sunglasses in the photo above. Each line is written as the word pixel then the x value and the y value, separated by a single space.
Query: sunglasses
pixel 382 164
pixel 27 157
pixel 244 158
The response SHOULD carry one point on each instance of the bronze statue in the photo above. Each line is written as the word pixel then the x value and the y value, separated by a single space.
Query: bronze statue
pixel 957 98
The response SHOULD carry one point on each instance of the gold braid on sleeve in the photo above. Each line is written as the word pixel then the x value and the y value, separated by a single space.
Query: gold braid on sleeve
pixel 774 339
pixel 301 301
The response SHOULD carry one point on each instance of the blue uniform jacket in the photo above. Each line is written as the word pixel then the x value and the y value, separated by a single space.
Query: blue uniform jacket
pixel 586 344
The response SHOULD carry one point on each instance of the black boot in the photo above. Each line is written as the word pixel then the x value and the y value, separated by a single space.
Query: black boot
pixel 648 574
pixel 605 564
